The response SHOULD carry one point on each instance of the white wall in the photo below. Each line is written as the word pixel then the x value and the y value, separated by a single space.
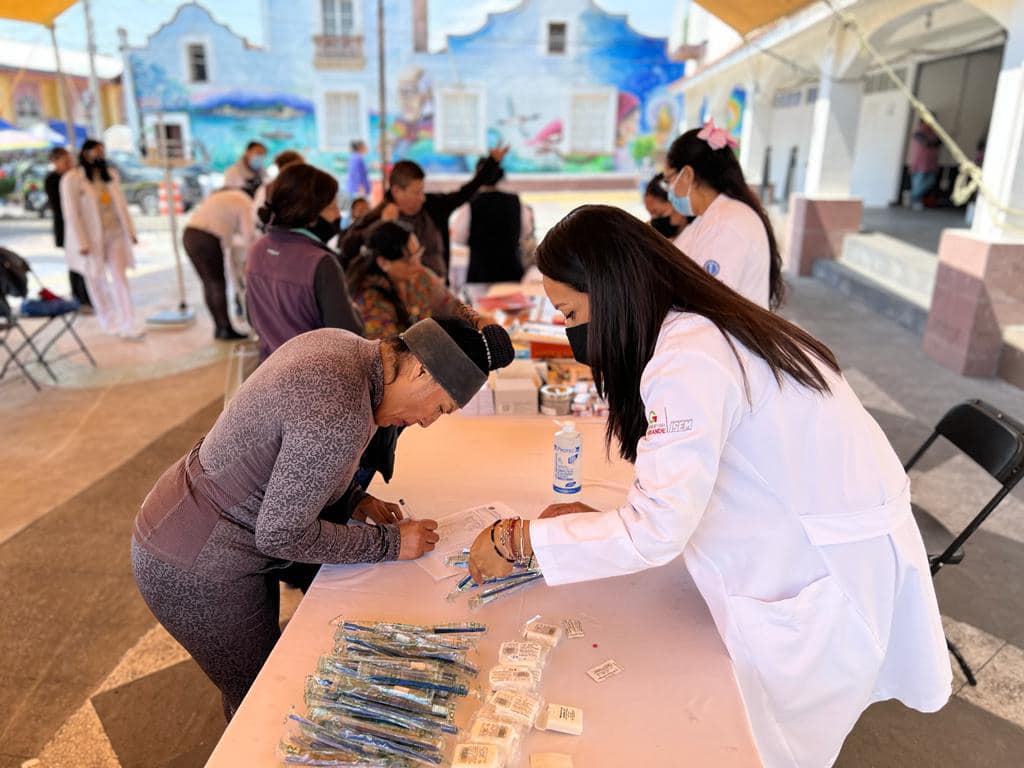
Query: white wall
pixel 791 126
pixel 878 156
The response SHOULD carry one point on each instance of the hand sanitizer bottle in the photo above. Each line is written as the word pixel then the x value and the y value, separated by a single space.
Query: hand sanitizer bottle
pixel 567 459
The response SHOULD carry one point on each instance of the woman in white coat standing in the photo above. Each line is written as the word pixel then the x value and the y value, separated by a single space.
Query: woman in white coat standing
pixel 731 238
pixel 756 462
pixel 99 235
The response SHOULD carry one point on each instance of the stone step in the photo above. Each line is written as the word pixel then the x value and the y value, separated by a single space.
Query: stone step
pixel 878 297
pixel 1011 362
pixel 901 268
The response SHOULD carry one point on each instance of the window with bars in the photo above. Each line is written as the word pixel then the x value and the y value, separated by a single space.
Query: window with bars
pixel 460 129
pixel 558 38
pixel 343 119
pixel 338 17
pixel 592 122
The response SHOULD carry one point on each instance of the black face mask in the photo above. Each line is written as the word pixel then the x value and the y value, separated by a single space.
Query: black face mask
pixel 578 341
pixel 325 229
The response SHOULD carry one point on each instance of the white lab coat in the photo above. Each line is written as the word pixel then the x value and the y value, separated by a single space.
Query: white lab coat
pixel 729 242
pixel 82 223
pixel 105 266
pixel 792 513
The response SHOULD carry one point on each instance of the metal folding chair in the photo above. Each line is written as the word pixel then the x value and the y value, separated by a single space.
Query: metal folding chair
pixel 58 324
pixel 995 442
pixel 12 353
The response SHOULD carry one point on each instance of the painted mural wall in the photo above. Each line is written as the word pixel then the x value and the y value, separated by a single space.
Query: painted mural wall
pixel 277 94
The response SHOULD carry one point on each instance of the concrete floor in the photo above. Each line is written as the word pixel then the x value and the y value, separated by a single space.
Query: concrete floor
pixel 920 228
pixel 87 678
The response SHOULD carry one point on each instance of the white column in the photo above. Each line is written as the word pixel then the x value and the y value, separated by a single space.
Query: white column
pixel 1004 153
pixel 834 125
pixel 757 125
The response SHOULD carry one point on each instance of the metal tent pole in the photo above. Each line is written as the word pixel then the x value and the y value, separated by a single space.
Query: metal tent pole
pixel 65 91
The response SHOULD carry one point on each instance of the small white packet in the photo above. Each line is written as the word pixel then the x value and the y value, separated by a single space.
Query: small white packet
pixel 541 632
pixel 515 707
pixel 477 756
pixel 523 653
pixel 514 678
pixel 562 719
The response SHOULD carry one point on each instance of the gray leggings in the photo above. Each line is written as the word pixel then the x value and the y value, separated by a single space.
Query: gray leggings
pixel 229 627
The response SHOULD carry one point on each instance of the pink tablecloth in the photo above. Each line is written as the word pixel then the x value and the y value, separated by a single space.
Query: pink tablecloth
pixel 675 704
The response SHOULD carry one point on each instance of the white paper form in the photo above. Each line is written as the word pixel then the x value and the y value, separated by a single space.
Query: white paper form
pixel 457 531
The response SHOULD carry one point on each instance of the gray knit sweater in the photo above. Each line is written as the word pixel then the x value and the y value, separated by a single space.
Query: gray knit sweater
pixel 250 495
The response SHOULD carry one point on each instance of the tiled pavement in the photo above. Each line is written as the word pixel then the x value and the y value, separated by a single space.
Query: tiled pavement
pixel 88 679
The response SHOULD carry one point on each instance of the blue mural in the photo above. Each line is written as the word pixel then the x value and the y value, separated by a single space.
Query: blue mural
pixel 277 93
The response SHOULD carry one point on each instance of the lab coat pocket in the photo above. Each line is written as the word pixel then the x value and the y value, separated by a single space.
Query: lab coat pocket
pixel 816 658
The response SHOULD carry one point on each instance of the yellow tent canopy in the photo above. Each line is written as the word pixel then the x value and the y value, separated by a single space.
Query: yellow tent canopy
pixel 747 15
pixel 36 11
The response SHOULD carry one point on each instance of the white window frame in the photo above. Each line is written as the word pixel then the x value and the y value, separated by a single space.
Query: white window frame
pixel 186 63
pixel 357 18
pixel 440 137
pixel 345 144
pixel 612 96
pixel 570 37
pixel 180 119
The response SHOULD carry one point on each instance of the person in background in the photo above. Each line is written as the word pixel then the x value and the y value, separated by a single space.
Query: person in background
pixel 357 184
pixel 209 236
pixel 731 237
pixel 293 280
pixel 99 230
pixel 360 207
pixel 62 162
pixel 272 483
pixel 426 213
pixel 757 465
pixel 493 225
pixel 664 218
pixel 249 171
pixel 924 163
pixel 281 161
pixel 392 288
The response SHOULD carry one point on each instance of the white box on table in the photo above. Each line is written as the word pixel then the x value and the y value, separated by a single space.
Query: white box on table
pixel 515 397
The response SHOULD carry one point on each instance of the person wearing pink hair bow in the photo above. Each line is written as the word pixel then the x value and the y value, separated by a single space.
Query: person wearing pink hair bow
pixel 731 238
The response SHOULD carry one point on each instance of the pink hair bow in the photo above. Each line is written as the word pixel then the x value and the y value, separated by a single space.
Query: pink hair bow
pixel 716 137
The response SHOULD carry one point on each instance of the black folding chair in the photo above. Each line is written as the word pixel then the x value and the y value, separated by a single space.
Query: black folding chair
pixel 995 442
pixel 8 326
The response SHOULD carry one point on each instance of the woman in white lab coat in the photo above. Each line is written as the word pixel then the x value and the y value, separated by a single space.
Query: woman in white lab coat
pixel 731 238
pixel 756 462
pixel 98 238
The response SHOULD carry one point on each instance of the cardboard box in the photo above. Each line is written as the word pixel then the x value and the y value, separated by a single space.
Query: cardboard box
pixel 515 397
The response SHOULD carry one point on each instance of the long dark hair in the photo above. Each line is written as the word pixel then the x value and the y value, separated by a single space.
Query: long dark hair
pixel 91 168
pixel 719 169
pixel 633 278
pixel 385 240
pixel 296 197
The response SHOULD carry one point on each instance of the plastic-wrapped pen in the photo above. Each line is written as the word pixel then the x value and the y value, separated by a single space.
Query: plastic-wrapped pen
pixel 492 594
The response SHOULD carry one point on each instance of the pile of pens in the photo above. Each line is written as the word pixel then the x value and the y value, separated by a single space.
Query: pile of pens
pixel 492 589
pixel 384 697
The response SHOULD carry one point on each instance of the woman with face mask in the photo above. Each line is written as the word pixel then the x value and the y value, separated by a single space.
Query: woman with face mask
pixel 756 462
pixel 392 288
pixel 293 280
pixel 731 238
pixel 100 232
pixel 272 483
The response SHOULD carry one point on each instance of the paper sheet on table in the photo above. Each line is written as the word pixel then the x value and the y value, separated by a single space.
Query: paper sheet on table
pixel 457 531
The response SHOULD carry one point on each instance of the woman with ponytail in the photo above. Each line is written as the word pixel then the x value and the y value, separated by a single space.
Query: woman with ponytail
pixel 731 238
pixel 294 282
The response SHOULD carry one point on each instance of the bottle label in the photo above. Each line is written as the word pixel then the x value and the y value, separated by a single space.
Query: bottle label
pixel 567 469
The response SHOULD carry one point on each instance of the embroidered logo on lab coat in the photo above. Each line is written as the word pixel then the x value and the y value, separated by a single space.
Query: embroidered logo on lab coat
pixel 667 425
pixel 712 267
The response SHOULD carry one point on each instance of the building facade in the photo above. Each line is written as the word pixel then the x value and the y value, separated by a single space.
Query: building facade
pixel 568 86
pixel 30 91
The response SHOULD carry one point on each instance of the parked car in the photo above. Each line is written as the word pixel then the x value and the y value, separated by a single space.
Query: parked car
pixel 141 182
